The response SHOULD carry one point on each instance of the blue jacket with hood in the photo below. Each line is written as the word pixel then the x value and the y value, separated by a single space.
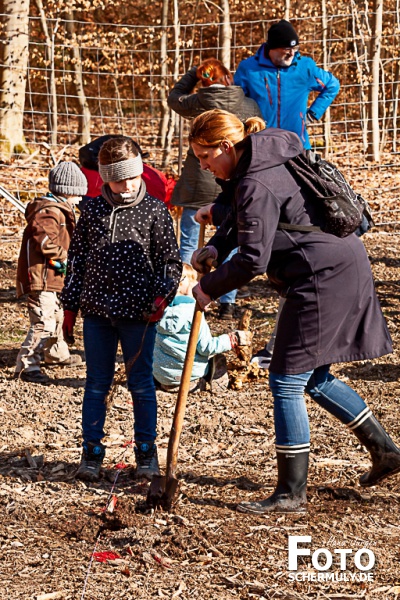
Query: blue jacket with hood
pixel 282 92
pixel 172 339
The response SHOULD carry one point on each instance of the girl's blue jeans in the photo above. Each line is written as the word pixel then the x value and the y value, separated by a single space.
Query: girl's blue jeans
pixel 290 412
pixel 101 336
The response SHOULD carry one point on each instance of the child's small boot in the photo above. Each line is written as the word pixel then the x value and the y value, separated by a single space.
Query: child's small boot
pixel 92 458
pixel 35 376
pixel 146 460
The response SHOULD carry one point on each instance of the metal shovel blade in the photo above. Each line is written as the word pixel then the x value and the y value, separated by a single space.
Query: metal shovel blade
pixel 162 492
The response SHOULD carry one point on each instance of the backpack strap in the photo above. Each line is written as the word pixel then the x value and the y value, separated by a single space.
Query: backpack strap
pixel 294 227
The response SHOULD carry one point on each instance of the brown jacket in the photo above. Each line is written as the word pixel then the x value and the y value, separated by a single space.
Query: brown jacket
pixel 51 222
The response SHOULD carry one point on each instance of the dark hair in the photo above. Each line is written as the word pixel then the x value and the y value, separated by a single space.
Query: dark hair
pixel 89 153
pixel 116 149
pixel 212 71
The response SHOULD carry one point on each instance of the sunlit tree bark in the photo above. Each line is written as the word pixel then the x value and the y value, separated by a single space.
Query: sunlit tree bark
pixel 13 72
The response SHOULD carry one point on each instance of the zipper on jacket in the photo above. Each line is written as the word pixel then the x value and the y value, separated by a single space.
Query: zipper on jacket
pixel 303 127
pixel 278 117
pixel 113 223
pixel 45 275
pixel 71 268
pixel 113 226
pixel 29 262
pixel 268 90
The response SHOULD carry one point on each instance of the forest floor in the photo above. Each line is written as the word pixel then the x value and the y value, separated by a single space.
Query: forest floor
pixel 52 523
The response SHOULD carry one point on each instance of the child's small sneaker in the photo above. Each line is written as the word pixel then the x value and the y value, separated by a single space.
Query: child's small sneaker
pixel 72 361
pixel 146 460
pixel 262 359
pixel 33 377
pixel 92 458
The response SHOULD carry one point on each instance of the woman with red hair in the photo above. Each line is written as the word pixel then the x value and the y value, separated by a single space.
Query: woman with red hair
pixel 197 188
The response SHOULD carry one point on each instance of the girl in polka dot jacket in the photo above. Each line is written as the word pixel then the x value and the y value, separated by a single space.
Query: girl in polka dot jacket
pixel 123 270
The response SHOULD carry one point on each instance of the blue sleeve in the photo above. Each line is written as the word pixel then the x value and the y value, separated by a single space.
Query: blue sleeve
pixel 209 345
pixel 328 87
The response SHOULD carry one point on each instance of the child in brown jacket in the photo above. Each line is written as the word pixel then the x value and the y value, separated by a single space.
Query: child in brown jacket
pixel 41 271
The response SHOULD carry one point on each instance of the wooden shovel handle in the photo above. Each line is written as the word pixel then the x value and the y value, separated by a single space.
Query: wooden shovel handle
pixel 180 407
pixel 176 429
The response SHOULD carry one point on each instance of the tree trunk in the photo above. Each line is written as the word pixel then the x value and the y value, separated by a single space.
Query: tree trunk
pixel 327 115
pixel 396 86
pixel 13 71
pixel 287 10
pixel 226 34
pixel 360 50
pixel 52 115
pixel 163 75
pixel 85 116
pixel 395 106
pixel 172 114
pixel 375 57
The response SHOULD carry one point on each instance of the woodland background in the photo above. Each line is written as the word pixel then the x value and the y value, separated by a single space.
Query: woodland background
pixel 71 72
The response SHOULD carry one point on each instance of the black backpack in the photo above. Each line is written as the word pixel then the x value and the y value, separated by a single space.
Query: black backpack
pixel 343 210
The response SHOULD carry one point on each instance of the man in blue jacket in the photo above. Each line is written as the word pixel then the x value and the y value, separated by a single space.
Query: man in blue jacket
pixel 280 80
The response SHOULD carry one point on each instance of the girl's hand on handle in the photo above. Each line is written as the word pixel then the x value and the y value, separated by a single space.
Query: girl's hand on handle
pixel 201 297
pixel 204 215
pixel 204 258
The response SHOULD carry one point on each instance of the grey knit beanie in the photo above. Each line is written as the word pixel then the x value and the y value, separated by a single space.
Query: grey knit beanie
pixel 67 178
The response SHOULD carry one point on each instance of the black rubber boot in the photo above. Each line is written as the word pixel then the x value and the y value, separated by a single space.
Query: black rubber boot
pixel 385 455
pixel 290 492
pixel 92 458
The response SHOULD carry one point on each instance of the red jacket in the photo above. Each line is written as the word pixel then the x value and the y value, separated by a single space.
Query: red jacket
pixel 157 184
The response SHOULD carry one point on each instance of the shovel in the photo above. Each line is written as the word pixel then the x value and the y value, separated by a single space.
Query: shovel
pixel 163 488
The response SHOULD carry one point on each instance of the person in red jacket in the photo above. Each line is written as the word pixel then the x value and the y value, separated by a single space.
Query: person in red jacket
pixel 158 185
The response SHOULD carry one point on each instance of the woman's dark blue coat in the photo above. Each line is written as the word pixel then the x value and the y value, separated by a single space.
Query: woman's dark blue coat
pixel 331 313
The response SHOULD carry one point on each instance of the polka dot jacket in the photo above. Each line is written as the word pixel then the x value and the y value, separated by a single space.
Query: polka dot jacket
pixel 121 258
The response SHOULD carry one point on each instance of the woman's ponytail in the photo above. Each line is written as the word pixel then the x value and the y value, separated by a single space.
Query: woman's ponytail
pixel 254 124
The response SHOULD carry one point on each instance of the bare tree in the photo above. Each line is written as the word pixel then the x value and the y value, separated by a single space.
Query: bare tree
pixel 287 10
pixel 84 121
pixel 52 115
pixel 13 71
pixel 395 111
pixel 327 115
pixel 396 106
pixel 172 114
pixel 375 57
pixel 165 111
pixel 360 52
pixel 226 34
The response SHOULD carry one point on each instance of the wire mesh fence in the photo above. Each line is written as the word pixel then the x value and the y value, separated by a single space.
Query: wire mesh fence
pixel 96 78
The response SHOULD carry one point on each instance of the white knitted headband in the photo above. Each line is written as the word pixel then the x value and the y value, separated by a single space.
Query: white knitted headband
pixel 124 169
